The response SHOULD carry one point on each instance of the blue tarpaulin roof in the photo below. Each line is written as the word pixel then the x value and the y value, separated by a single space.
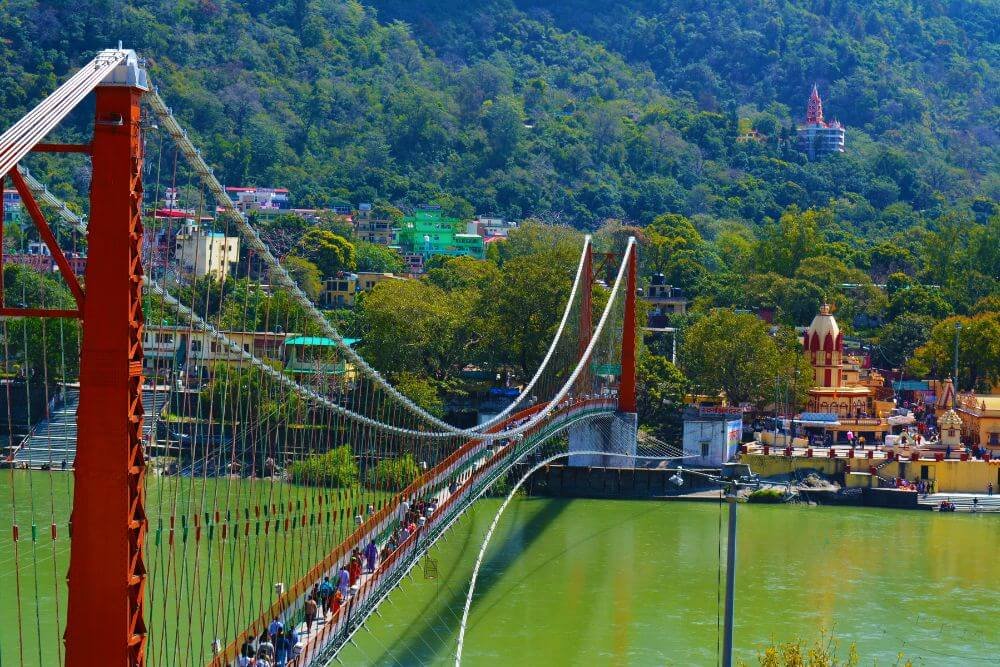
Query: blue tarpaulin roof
pixel 911 385
pixel 818 417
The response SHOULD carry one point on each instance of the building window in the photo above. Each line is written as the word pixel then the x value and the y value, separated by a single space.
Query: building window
pixel 704 448
pixel 196 346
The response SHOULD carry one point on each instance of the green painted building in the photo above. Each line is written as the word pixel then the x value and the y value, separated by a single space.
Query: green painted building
pixel 428 232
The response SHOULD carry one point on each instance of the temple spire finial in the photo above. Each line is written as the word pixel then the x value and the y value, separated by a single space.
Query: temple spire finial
pixel 814 108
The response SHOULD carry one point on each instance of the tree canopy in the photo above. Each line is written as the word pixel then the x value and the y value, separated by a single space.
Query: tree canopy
pixel 734 353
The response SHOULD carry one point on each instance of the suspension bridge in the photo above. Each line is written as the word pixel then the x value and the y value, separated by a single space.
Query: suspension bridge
pixel 179 532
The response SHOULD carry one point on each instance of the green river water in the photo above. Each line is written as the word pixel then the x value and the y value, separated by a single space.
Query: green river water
pixel 589 582
pixel 579 582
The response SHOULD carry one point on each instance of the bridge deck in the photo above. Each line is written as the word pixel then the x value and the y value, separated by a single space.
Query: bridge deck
pixel 473 468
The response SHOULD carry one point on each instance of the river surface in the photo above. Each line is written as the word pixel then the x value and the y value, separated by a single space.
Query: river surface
pixel 592 582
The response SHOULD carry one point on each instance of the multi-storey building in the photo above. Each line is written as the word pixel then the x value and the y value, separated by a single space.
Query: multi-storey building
pixel 427 233
pixel 339 291
pixel 369 279
pixel 39 257
pixel 489 227
pixel 665 300
pixel 369 228
pixel 193 353
pixel 254 199
pixel 201 252
pixel 817 137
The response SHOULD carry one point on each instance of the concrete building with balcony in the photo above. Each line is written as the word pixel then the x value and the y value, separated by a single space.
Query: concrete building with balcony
pixel 490 227
pixel 664 300
pixel 339 291
pixel 414 263
pixel 258 199
pixel 319 356
pixel 368 227
pixel 188 354
pixel 367 280
pixel 11 203
pixel 39 257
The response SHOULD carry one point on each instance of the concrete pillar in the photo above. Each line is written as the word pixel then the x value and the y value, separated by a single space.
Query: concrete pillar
pixel 619 436
pixel 585 437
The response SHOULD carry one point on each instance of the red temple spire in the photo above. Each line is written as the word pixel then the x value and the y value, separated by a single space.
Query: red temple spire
pixel 814 110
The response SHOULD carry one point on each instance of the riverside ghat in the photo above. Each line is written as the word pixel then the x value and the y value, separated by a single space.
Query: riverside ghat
pixel 946 449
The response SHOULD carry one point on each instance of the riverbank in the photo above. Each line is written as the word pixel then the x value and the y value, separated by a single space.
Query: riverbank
pixel 560 481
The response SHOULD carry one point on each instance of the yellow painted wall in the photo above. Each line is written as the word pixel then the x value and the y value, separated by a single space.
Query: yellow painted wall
pixel 952 476
pixel 949 476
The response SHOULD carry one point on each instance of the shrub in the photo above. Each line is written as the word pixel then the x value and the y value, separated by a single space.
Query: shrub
pixel 823 652
pixel 767 496
pixel 336 467
pixel 394 474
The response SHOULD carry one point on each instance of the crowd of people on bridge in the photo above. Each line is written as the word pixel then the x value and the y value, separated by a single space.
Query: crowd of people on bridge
pixel 281 646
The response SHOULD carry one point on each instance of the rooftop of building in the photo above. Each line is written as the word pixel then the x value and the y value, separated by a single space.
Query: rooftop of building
pixel 232 188
pixel 187 329
pixel 979 402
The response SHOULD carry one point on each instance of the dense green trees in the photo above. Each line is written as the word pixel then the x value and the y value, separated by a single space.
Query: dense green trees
pixel 306 275
pixel 660 392
pixel 552 113
pixel 978 351
pixel 378 258
pixel 44 349
pixel 394 474
pixel 899 339
pixel 410 325
pixel 490 313
pixel 734 353
pixel 327 251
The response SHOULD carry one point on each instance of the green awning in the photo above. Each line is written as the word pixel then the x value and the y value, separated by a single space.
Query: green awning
pixel 318 341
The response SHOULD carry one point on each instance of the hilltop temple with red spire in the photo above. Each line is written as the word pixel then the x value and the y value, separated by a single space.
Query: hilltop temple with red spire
pixel 818 138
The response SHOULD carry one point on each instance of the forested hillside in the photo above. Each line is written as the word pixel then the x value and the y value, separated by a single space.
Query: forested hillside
pixel 672 121
pixel 918 74
pixel 574 111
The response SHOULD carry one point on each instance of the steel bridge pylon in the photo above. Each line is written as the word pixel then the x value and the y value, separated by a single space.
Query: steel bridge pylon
pixel 107 576
pixel 621 438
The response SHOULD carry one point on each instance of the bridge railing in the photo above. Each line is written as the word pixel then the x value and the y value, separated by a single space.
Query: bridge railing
pixel 474 482
pixel 461 467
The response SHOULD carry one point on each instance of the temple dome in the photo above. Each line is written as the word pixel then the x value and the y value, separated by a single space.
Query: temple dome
pixel 948 420
pixel 823 325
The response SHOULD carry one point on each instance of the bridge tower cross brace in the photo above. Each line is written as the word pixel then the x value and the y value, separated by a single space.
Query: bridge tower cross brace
pixel 107 574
